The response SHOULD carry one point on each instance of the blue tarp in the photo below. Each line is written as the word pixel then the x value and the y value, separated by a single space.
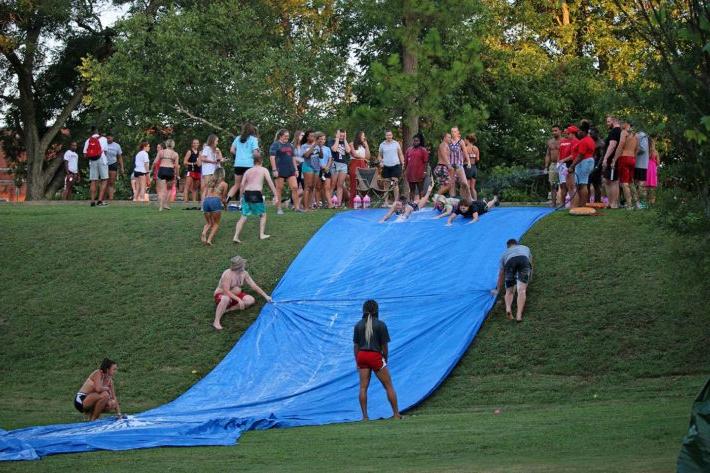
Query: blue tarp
pixel 294 366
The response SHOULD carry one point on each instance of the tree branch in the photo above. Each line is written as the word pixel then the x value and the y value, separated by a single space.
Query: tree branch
pixel 180 108
pixel 7 98
pixel 62 118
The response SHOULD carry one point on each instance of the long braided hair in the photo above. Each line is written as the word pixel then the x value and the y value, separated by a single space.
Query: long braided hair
pixel 371 310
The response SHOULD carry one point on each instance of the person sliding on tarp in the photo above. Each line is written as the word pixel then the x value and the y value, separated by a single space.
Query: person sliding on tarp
pixel 472 209
pixel 515 271
pixel 97 395
pixel 445 205
pixel 370 339
pixel 404 207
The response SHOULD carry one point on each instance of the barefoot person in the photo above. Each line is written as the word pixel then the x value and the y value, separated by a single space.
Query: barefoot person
pixel 370 347
pixel 253 197
pixel 244 148
pixel 457 158
pixel 193 177
pixel 445 205
pixel 471 168
pixel 285 168
pixel 404 207
pixel 229 295
pixel 552 155
pixel 210 160
pixel 215 194
pixel 168 169
pixel 98 395
pixel 471 209
pixel 391 160
pixel 515 271
pixel 443 169
pixel 141 164
pixel 71 170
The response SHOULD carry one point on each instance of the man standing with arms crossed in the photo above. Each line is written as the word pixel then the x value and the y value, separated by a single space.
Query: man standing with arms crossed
pixel 391 159
pixel 114 157
pixel 552 155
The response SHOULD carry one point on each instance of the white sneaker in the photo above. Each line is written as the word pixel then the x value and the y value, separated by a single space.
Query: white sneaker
pixel 279 212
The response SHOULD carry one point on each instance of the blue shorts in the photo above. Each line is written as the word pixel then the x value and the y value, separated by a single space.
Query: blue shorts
pixel 253 208
pixel 583 170
pixel 307 169
pixel 212 204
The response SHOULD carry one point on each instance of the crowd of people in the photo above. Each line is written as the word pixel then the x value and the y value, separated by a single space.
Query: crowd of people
pixel 584 168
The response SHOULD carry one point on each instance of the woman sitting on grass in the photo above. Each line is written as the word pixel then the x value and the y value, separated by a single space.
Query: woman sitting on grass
pixel 229 296
pixel 215 193
pixel 97 395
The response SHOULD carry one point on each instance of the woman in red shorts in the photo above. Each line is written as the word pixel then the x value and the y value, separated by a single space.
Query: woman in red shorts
pixel 370 339
pixel 229 296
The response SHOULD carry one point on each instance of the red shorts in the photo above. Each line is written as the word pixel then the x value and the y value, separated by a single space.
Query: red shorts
pixel 627 164
pixel 232 302
pixel 196 176
pixel 370 359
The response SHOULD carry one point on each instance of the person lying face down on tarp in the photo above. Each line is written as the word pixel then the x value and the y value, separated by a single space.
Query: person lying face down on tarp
pixel 472 209
pixel 97 395
pixel 445 205
pixel 404 207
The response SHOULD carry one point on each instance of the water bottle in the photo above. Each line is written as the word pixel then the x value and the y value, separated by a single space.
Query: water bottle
pixel 357 201
pixel 366 202
pixel 334 200
pixel 605 200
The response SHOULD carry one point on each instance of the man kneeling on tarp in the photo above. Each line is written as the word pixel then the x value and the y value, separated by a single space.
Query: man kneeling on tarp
pixel 97 395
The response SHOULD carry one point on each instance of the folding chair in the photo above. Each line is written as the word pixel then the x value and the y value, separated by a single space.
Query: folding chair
pixel 368 181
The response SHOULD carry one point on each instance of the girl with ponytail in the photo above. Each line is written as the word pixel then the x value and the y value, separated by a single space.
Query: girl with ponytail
pixel 370 345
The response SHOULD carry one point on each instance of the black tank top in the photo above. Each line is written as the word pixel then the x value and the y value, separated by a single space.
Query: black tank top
pixel 192 167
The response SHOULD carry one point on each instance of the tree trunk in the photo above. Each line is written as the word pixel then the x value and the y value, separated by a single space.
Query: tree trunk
pixel 410 117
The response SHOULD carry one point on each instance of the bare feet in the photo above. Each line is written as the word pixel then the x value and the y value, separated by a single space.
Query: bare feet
pixel 236 240
pixel 365 419
pixel 509 315
pixel 203 237
pixel 208 243
pixel 398 416
pixel 264 237
pixel 216 326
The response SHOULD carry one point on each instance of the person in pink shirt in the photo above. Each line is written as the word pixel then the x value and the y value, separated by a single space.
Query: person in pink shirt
pixel 416 159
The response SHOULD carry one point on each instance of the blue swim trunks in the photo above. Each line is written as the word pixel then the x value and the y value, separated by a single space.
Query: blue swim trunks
pixel 249 209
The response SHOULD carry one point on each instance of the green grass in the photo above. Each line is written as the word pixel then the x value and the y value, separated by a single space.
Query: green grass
pixel 599 377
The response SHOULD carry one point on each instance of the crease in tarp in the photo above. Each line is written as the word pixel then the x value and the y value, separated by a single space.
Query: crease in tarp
pixel 294 365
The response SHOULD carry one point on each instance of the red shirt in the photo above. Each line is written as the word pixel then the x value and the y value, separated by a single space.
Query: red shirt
pixel 586 147
pixel 416 159
pixel 567 146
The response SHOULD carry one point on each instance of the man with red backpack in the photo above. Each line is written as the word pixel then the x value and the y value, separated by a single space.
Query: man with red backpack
pixel 94 151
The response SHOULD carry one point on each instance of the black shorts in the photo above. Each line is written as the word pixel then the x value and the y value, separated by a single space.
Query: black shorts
pixel 640 174
pixel 517 269
pixel 471 171
pixel 389 172
pixel 113 167
pixel 79 402
pixel 595 177
pixel 607 173
pixel 240 170
pixel 285 172
pixel 166 174
pixel 139 174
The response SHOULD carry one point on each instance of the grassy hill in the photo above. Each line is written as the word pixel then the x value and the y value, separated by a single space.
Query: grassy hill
pixel 599 377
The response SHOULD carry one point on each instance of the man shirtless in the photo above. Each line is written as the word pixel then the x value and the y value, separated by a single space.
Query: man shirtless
pixel 625 161
pixel 404 207
pixel 443 169
pixel 229 296
pixel 252 186
pixel 97 395
pixel 552 155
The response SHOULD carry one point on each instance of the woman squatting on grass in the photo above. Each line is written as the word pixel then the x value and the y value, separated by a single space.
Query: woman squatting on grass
pixel 370 339
pixel 97 395
pixel 229 295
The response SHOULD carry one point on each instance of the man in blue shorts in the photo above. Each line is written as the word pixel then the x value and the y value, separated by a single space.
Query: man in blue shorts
pixel 253 197
pixel 515 272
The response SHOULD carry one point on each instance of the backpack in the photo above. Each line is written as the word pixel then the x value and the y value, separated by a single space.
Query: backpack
pixel 93 149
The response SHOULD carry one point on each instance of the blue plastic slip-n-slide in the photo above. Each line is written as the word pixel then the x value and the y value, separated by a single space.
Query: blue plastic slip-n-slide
pixel 294 366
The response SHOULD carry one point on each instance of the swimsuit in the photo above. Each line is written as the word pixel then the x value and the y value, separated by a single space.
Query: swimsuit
pixel 79 401
pixel 456 154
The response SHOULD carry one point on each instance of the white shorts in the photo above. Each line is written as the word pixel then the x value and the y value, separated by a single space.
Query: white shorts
pixel 562 172
pixel 98 170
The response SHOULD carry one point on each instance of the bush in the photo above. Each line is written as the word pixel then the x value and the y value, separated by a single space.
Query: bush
pixel 514 183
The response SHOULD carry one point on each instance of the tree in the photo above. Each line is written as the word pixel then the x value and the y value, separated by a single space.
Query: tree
pixel 42 44
pixel 416 55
